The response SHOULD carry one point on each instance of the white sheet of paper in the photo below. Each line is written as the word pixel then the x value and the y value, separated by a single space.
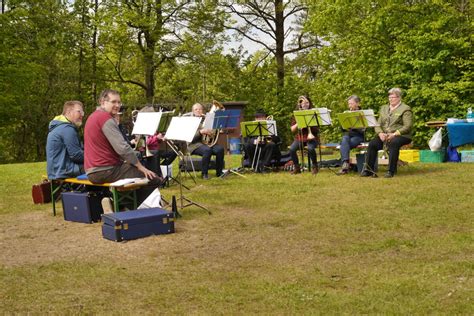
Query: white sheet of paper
pixel 183 128
pixel 209 120
pixel 146 123
pixel 272 126
pixel 370 116
pixel 325 115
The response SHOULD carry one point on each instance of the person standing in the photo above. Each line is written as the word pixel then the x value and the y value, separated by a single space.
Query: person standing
pixel 64 151
pixel 395 130
pixel 351 137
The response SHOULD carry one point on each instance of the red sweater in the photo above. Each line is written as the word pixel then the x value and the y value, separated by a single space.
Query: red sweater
pixel 98 152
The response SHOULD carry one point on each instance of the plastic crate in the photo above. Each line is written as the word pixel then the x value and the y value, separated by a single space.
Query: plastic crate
pixel 409 155
pixel 432 156
pixel 467 155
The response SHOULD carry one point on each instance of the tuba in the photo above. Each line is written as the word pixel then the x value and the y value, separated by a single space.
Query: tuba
pixel 211 140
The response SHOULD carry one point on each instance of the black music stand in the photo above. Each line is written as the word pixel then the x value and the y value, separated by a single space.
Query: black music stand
pixel 258 129
pixel 183 129
pixel 307 119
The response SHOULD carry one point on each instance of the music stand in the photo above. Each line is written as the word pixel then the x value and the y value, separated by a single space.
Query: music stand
pixel 226 120
pixel 259 129
pixel 183 129
pixel 310 118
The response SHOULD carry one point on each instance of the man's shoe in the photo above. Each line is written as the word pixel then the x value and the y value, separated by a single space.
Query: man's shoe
pixel 344 171
pixel 365 173
pixel 388 175
pixel 107 205
pixel 205 177
pixel 314 170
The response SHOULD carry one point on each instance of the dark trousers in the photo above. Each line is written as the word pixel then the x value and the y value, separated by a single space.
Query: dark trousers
pixel 206 152
pixel 159 158
pixel 393 147
pixel 122 171
pixel 268 152
pixel 295 146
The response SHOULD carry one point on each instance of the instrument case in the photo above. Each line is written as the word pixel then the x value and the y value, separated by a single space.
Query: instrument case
pixel 82 207
pixel 137 224
pixel 41 192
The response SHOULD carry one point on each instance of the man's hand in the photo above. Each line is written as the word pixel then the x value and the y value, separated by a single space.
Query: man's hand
pixel 383 136
pixel 390 136
pixel 206 131
pixel 148 173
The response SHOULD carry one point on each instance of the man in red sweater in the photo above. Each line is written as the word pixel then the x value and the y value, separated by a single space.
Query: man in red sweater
pixel 107 156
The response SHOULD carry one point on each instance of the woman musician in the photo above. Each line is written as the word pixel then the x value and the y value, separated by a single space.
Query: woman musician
pixel 268 146
pixel 306 136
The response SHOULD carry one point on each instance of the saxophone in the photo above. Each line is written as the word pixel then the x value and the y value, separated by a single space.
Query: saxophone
pixel 211 140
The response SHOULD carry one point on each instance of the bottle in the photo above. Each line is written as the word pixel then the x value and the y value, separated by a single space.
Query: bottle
pixel 470 115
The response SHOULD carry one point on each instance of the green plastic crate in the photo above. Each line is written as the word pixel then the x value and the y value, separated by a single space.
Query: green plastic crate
pixel 432 156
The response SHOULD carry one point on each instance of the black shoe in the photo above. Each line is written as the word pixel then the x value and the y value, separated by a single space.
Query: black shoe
pixel 205 177
pixel 374 175
pixel 388 175
pixel 365 173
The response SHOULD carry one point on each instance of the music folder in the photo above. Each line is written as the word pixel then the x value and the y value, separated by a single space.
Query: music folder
pixel 357 119
pixel 312 117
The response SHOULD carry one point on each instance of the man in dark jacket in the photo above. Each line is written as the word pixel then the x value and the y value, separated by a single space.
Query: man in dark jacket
pixel 64 151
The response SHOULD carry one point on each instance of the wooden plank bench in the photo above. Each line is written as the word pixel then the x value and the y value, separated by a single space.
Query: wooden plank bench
pixel 120 194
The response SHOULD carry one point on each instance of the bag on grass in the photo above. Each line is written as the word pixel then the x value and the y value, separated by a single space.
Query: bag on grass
pixel 41 192
pixel 452 154
pixel 153 200
pixel 436 140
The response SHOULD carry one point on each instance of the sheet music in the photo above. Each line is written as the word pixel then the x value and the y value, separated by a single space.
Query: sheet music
pixel 370 117
pixel 325 116
pixel 183 128
pixel 209 120
pixel 146 123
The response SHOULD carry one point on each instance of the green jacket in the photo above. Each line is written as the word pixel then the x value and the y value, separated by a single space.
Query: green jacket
pixel 401 119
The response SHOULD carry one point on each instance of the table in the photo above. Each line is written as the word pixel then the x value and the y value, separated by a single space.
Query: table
pixel 119 193
pixel 460 134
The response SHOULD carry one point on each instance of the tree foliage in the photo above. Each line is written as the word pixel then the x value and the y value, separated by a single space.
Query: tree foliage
pixel 174 52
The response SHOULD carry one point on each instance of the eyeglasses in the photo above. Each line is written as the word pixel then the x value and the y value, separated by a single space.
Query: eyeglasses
pixel 119 103
pixel 393 97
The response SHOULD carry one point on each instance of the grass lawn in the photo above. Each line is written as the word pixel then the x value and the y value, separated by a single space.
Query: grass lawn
pixel 275 244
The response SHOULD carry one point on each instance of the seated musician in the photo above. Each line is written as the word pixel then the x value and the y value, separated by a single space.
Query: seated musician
pixel 158 148
pixel 64 151
pixel 351 138
pixel 395 130
pixel 305 137
pixel 196 147
pixel 268 146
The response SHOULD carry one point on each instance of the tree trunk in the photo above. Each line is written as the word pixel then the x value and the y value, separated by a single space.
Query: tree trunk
pixel 279 42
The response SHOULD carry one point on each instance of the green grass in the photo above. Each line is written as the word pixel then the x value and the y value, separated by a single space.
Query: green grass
pixel 275 244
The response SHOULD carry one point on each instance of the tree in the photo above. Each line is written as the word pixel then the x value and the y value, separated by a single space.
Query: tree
pixel 258 20
pixel 422 47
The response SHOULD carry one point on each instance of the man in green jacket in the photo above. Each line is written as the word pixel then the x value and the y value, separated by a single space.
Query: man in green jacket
pixel 395 130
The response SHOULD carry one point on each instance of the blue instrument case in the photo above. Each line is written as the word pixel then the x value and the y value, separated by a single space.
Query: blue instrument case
pixel 137 224
pixel 82 207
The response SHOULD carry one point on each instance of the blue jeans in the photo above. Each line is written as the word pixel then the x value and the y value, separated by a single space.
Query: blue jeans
pixel 347 143
pixel 206 152
pixel 295 146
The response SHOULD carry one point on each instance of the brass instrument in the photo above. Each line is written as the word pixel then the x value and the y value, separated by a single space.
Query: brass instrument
pixel 310 134
pixel 211 140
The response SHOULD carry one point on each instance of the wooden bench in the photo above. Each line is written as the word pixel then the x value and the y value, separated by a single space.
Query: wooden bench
pixel 120 194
